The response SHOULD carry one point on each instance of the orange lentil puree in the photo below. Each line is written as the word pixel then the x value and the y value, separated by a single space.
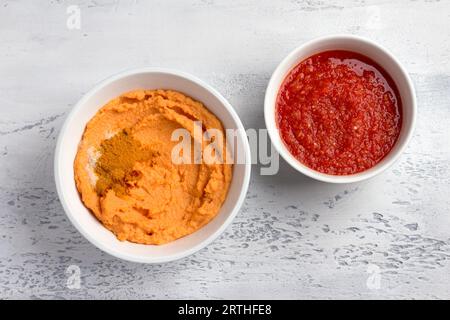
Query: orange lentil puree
pixel 339 112
pixel 125 174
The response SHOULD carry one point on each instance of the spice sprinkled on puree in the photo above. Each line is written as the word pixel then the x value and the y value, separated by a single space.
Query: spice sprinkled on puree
pixel 339 112
pixel 125 174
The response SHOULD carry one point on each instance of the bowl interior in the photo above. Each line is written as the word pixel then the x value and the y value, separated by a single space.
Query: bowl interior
pixel 71 135
pixel 369 49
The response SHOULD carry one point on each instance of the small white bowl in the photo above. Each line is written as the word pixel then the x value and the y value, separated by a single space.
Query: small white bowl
pixel 365 47
pixel 70 136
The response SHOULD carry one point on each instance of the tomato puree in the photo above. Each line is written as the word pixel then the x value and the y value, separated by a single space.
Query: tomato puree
pixel 339 112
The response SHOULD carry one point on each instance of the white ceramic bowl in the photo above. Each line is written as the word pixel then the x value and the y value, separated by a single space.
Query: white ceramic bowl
pixel 356 44
pixel 70 136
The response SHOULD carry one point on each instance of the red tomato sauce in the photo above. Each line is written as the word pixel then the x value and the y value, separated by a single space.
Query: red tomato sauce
pixel 339 112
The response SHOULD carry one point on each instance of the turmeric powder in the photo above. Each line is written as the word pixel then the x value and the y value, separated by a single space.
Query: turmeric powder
pixel 114 168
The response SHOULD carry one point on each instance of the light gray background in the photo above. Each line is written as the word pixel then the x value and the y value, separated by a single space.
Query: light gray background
pixel 294 237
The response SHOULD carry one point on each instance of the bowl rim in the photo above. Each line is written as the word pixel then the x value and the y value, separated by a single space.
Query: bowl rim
pixel 272 91
pixel 60 184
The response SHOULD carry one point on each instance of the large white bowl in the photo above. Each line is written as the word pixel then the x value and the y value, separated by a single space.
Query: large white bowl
pixel 356 44
pixel 70 136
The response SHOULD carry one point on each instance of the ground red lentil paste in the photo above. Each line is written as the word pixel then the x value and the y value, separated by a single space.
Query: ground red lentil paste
pixel 339 112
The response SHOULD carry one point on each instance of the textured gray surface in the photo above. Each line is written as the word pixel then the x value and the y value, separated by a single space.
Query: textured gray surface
pixel 294 238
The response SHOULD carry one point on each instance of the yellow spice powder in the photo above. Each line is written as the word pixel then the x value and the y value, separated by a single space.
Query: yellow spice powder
pixel 114 168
